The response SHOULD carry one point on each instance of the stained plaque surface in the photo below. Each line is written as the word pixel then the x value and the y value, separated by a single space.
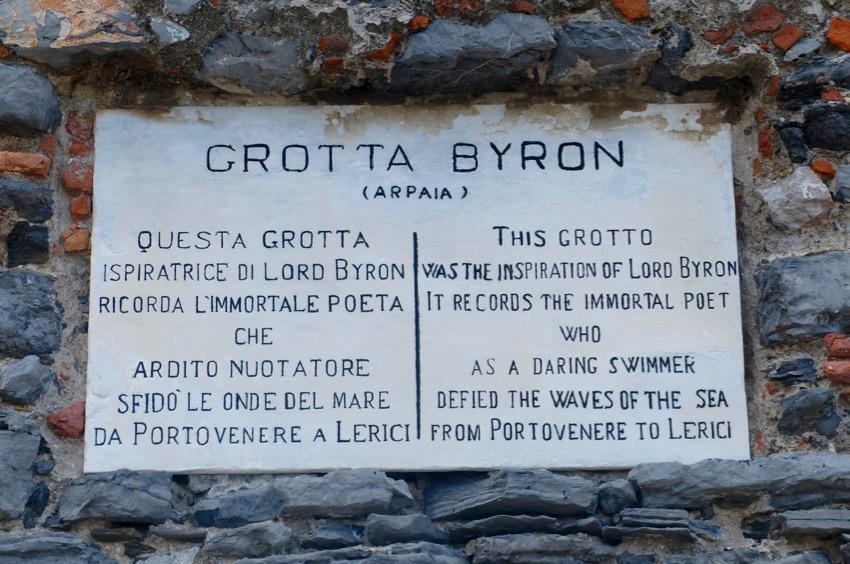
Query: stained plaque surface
pixel 305 288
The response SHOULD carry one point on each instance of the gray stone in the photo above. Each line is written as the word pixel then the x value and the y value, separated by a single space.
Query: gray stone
pixel 539 549
pixel 679 534
pixel 803 48
pixel 180 535
pixel 242 63
pixel 185 556
pixel 501 525
pixel 390 529
pixel 629 558
pixel 33 202
pixel 223 508
pixel 48 548
pixel 797 200
pixel 815 522
pixel 792 482
pixel 674 524
pixel 57 33
pixel 736 556
pixel 845 553
pixel 652 517
pixel 181 7
pixel 407 553
pixel 343 493
pixel 607 46
pixel 828 126
pixel 250 541
pixel 19 443
pixel 795 372
pixel 28 103
pixel 334 535
pixel 809 410
pixel 842 184
pixel 616 495
pixel 133 497
pixel 808 557
pixel 803 298
pixel 25 381
pixel 794 140
pixel 169 32
pixel 118 534
pixel 533 492
pixel 450 56
pixel 27 244
pixel 589 525
pixel 813 71
pixel 29 323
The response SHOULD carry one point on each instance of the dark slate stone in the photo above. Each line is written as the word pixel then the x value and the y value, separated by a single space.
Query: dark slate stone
pixel 44 466
pixel 39 499
pixel 250 541
pixel 616 495
pixel 679 534
pixel 803 298
pixel 118 534
pixel 407 553
pixel 451 56
pixel 735 556
pixel 223 508
pixel 239 62
pixel 25 381
pixel 792 482
pixel 588 525
pixel 180 535
pixel 808 557
pixel 828 126
pixel 343 493
pixel 391 529
pixel 48 548
pixel 805 84
pixel 501 525
pixel 795 371
pixel 842 184
pixel 794 140
pixel 29 323
pixel 132 497
pixel 809 410
pixel 28 102
pixel 629 558
pixel 33 202
pixel 19 443
pixel 815 522
pixel 539 549
pixel 651 517
pixel 27 244
pixel 532 492
pixel 334 535
pixel 135 549
pixel 185 556
pixel 675 43
pixel 845 553
pixel 607 45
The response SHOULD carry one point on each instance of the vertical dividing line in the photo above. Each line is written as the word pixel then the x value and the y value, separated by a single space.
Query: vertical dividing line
pixel 417 336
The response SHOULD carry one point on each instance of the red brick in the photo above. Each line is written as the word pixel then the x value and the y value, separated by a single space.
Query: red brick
pixel 78 177
pixel 49 145
pixel 839 33
pixel 720 36
pixel 333 62
pixel 386 51
pixel 4 52
pixel 76 238
pixel 837 370
pixel 80 207
pixel 69 422
pixel 773 85
pixel 766 142
pixel 469 8
pixel 521 7
pixel 80 148
pixel 444 8
pixel 80 124
pixel 837 345
pixel 759 115
pixel 823 168
pixel 729 49
pixel 418 22
pixel 762 18
pixel 632 9
pixel 28 164
pixel 332 43
pixel 787 36
pixel 832 94
pixel 757 168
pixel 174 72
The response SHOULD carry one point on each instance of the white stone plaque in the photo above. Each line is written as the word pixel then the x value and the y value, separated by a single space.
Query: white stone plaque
pixel 413 288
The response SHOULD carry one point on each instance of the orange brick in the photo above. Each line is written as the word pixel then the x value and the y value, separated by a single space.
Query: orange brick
pixel 720 36
pixel 4 52
pixel 729 49
pixel 28 164
pixel 762 18
pixel 837 370
pixel 332 43
pixel 333 62
pixel 418 22
pixel 469 8
pixel 78 177
pixel 839 33
pixel 521 7
pixel 80 148
pixel 837 345
pixel 632 9
pixel 69 422
pixel 80 207
pixel 386 51
pixel 823 168
pixel 786 36
pixel 757 168
pixel 773 85
pixel 832 94
pixel 766 142
pixel 76 238
pixel 444 8
pixel 49 145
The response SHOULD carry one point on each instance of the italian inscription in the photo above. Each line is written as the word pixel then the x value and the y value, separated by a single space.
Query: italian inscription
pixel 413 288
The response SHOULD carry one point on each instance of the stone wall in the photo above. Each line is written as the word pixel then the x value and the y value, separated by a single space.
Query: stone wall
pixel 781 73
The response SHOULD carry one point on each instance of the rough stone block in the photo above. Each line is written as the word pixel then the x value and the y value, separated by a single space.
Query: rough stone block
pixel 29 323
pixel 534 492
pixel 334 535
pixel 223 508
pixel 842 184
pixel 19 443
pixel 243 63
pixel 28 164
pixel 795 143
pixel 169 32
pixel 48 548
pixel 28 101
pixel 343 493
pixel 809 410
pixel 837 345
pixel 501 525
pixel 406 553
pixel 33 202
pixel 249 541
pixel 803 298
pixel 616 495
pixel 797 200
pixel 815 522
pixel 795 371
pixel 539 549
pixel 133 497
pixel 25 381
pixel 828 126
pixel 450 56
pixel 27 244
pixel 390 529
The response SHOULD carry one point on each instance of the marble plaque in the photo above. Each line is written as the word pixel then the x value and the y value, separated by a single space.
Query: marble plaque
pixel 413 288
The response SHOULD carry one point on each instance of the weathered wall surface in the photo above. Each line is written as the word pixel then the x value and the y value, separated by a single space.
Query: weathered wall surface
pixel 779 69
